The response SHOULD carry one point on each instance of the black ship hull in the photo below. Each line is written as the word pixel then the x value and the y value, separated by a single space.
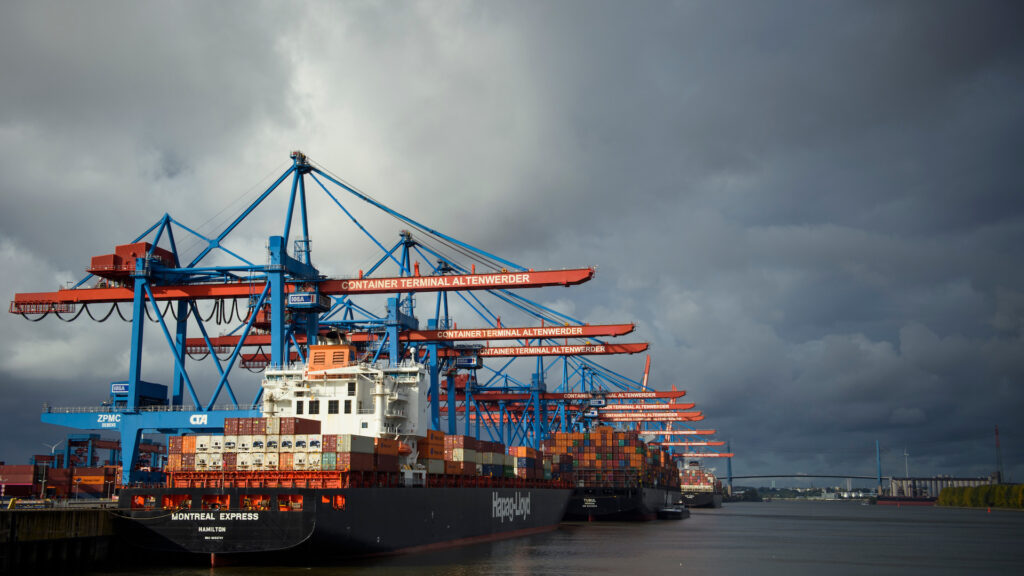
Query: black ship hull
pixel 339 523
pixel 619 504
pixel 702 499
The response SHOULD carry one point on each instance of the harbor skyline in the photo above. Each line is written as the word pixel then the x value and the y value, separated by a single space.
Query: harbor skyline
pixel 812 212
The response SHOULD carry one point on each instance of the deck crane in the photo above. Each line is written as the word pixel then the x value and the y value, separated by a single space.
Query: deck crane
pixel 287 303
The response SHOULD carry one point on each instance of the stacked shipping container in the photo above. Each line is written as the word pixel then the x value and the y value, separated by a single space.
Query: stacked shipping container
pixel 605 457
pixel 296 445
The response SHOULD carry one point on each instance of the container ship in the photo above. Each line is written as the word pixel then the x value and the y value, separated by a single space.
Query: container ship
pixel 341 464
pixel 616 475
pixel 699 486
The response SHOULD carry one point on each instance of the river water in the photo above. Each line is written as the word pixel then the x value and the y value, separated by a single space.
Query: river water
pixel 776 538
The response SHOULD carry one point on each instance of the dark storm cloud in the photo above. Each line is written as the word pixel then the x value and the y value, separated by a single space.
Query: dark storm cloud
pixel 812 209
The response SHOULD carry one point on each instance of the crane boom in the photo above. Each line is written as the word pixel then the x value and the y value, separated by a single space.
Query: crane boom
pixel 196 345
pixel 36 302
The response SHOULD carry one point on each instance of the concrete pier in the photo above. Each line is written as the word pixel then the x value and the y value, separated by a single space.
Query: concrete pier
pixel 60 540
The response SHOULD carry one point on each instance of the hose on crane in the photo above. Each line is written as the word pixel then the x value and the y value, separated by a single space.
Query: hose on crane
pixel 104 319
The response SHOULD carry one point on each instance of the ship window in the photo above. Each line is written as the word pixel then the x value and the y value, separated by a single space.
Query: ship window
pixel 140 501
pixel 216 501
pixel 348 406
pixel 176 502
pixel 365 425
pixel 337 501
pixel 332 406
pixel 289 502
pixel 255 502
pixel 351 388
pixel 314 406
pixel 298 407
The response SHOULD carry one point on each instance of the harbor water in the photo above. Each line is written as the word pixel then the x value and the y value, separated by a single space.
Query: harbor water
pixel 771 538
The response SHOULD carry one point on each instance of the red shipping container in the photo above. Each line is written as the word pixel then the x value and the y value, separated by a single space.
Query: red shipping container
pixel 230 460
pixel 174 443
pixel 330 443
pixel 286 461
pixel 231 426
pixel 188 462
pixel 355 462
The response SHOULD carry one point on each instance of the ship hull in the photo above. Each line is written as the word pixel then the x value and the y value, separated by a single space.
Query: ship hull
pixel 702 499
pixel 619 504
pixel 369 521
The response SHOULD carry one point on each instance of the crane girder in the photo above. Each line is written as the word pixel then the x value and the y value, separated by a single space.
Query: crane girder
pixel 36 302
pixel 575 350
pixel 197 345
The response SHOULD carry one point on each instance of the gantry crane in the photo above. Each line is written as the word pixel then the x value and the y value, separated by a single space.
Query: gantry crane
pixel 288 303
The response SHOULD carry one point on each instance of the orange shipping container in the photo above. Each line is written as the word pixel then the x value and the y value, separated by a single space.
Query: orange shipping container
pixel 188 444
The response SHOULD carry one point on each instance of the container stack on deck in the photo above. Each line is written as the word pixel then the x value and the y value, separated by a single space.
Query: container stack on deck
pixel 609 458
pixel 278 450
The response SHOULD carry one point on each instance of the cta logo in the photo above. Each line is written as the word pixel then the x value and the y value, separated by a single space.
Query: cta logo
pixel 198 419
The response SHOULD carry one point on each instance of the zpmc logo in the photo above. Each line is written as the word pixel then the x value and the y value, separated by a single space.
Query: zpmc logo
pixel 197 419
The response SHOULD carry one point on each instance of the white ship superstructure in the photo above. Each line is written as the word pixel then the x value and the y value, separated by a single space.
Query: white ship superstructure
pixel 350 396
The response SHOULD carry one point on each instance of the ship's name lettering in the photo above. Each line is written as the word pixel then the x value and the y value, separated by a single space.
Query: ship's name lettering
pixel 194 516
pixel 510 508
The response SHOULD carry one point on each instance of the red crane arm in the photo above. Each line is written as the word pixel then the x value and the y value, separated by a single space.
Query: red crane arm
pixel 681 433
pixel 577 350
pixel 35 302
pixel 583 331
pixel 646 407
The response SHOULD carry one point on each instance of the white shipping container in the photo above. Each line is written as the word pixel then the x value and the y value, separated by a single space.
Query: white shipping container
pixel 287 442
pixel 217 442
pixel 259 443
pixel 273 443
pixel 231 443
pixel 315 442
pixel 202 443
pixel 313 461
pixel 271 460
pixel 245 443
pixel 244 461
pixel 273 425
pixel 301 442
pixel 464 455
pixel 299 461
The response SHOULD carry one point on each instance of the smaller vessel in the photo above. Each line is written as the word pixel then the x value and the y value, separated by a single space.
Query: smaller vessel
pixel 699 486
pixel 673 513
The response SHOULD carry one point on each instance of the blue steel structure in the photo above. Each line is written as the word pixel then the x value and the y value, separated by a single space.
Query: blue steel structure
pixel 302 311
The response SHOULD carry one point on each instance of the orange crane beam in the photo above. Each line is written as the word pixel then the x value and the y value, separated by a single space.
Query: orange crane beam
pixel 523 396
pixel 680 433
pixel 580 350
pixel 38 302
pixel 196 345
pixel 653 417
pixel 582 331
pixel 646 407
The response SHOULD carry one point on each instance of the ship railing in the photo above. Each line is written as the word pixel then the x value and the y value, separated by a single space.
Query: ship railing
pixel 120 409
pixel 365 411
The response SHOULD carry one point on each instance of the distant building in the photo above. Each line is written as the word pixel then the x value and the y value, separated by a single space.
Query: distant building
pixel 931 487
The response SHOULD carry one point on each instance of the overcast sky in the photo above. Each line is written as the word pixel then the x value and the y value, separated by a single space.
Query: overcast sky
pixel 812 210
